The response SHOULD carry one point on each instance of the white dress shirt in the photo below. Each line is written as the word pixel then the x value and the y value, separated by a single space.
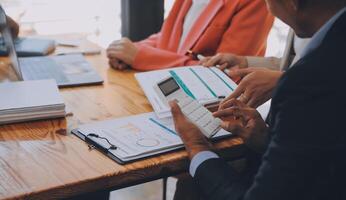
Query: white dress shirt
pixel 299 45
pixel 194 12
pixel 274 63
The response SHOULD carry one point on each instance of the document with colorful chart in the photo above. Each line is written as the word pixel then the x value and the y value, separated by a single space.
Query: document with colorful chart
pixel 131 138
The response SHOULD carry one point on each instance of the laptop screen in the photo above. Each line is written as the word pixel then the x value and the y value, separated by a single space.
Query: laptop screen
pixel 9 44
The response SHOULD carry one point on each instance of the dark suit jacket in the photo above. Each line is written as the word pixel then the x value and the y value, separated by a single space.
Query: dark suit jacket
pixel 306 155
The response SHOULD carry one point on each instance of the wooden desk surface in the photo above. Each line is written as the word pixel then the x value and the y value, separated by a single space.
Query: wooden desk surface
pixel 42 160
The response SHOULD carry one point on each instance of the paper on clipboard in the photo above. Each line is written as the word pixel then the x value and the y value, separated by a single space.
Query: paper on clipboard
pixel 137 136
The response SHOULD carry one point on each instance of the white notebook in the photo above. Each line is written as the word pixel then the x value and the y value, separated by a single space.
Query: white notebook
pixel 30 100
pixel 135 137
pixel 205 85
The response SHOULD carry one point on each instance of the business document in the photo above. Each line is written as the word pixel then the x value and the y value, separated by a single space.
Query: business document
pixel 206 85
pixel 136 136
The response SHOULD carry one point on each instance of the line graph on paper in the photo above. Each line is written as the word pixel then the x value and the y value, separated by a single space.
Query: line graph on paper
pixel 130 138
pixel 142 141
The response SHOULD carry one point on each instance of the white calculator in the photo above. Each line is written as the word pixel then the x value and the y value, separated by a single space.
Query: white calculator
pixel 193 110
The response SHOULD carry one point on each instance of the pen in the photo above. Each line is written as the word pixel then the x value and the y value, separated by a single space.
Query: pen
pixel 86 53
pixel 198 56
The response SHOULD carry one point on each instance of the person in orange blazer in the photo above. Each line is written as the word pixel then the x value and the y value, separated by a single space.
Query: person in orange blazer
pixel 228 26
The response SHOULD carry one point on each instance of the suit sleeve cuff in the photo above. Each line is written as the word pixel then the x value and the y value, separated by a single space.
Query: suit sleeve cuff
pixel 199 158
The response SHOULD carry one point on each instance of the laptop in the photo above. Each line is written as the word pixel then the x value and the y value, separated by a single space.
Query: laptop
pixel 67 70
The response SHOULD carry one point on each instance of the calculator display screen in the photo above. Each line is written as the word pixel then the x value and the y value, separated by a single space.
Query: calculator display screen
pixel 168 86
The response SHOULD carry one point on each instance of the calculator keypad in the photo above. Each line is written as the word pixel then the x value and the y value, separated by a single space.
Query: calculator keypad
pixel 200 116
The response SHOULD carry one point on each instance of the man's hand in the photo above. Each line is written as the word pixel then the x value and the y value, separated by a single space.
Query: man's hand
pixel 192 137
pixel 245 122
pixel 121 53
pixel 225 61
pixel 256 87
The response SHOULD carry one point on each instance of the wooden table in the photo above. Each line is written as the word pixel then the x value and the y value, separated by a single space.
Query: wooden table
pixel 43 160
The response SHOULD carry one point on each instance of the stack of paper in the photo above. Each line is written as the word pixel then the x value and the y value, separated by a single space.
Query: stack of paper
pixel 206 85
pixel 30 100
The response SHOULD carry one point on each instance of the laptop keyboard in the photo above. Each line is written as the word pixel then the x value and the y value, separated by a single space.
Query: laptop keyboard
pixel 42 68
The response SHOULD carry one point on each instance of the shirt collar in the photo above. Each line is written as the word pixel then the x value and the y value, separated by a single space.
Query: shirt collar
pixel 318 37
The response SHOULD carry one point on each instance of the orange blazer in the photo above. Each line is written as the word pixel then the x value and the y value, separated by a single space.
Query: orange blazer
pixel 225 26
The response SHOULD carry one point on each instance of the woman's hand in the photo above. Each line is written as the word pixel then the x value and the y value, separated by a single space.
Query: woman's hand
pixel 245 122
pixel 225 61
pixel 122 53
pixel 117 64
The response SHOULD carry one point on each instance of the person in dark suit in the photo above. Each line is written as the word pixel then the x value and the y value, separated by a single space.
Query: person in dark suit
pixel 303 146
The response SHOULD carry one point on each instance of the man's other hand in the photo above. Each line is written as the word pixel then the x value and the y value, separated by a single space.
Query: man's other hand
pixel 256 86
pixel 245 122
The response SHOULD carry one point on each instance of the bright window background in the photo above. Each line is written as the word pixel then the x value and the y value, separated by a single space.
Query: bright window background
pixel 99 20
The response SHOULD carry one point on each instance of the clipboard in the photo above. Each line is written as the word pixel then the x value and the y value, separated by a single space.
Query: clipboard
pixel 144 127
pixel 118 160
